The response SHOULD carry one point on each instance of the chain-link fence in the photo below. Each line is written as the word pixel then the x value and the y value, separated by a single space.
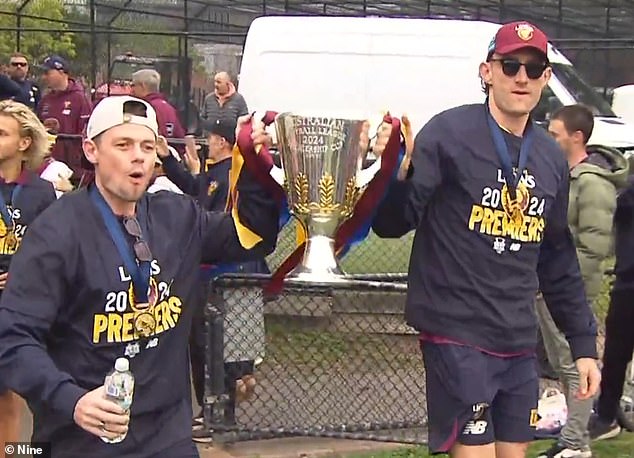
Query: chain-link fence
pixel 330 360
pixel 321 360
pixel 373 255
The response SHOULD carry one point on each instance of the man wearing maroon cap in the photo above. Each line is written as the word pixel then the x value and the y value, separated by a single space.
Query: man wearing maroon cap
pixel 487 193
pixel 66 107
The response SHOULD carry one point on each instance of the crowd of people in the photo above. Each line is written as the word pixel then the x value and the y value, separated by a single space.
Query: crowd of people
pixel 41 159
pixel 511 224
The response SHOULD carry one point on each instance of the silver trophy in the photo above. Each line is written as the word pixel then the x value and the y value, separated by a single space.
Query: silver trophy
pixel 323 178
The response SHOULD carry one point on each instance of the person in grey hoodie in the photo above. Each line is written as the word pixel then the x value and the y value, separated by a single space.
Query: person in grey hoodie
pixel 596 174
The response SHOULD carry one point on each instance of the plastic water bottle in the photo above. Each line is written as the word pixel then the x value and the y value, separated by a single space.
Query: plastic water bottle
pixel 119 387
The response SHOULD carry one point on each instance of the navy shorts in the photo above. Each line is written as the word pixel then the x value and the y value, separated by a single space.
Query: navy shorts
pixel 475 398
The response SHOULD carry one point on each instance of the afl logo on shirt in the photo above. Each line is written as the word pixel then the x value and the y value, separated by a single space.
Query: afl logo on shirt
pixel 212 187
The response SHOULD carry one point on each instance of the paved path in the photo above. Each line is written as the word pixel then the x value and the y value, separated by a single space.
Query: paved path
pixel 272 448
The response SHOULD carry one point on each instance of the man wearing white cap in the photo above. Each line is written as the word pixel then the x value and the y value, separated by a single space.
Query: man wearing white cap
pixel 108 272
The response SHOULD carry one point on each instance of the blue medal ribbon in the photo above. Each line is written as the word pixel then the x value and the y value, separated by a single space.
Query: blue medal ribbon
pixel 4 210
pixel 138 271
pixel 501 148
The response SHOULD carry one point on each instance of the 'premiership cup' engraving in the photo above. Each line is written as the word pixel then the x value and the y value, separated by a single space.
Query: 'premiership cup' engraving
pixel 319 156
pixel 316 136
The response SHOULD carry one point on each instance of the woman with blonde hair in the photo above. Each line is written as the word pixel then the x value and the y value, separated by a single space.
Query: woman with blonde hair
pixel 23 196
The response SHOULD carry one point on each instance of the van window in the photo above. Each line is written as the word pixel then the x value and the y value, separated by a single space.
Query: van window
pixel 581 91
pixel 547 105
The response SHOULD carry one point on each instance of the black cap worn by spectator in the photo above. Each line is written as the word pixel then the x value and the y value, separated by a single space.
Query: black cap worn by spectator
pixel 223 128
pixel 54 62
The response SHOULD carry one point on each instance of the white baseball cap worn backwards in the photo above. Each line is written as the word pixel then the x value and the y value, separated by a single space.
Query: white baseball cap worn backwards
pixel 109 113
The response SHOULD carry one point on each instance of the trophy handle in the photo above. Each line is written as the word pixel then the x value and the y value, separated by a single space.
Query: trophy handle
pixel 364 176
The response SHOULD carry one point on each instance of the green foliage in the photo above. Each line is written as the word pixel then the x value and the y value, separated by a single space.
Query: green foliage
pixel 37 45
pixel 78 47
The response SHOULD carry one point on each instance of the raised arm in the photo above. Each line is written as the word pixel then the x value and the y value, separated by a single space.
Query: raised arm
pixel 176 171
pixel 249 230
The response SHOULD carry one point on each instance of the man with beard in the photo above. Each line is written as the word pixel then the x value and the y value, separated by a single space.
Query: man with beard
pixel 19 72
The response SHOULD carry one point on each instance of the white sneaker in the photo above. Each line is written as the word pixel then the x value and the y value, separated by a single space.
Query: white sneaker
pixel 561 451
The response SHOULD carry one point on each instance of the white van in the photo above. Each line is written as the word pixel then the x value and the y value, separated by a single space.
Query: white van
pixel 361 67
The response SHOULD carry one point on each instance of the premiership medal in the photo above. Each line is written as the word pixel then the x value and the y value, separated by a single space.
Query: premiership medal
pixel 514 208
pixel 11 240
pixel 144 321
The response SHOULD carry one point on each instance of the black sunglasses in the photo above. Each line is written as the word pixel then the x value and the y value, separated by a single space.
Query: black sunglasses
pixel 19 64
pixel 511 67
pixel 141 248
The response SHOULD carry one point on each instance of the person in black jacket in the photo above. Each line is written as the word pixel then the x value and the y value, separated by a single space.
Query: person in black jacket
pixel 211 188
pixel 487 193
pixel 19 72
pixel 110 271
pixel 619 338
pixel 24 195
pixel 10 90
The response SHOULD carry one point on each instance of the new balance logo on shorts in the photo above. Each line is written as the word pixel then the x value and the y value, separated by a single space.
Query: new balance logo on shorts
pixel 475 427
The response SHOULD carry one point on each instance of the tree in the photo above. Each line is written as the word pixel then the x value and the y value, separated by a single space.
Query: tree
pixel 36 45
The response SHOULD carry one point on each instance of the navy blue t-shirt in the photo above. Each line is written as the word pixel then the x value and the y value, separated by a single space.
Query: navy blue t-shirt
pixel 474 273
pixel 31 198
pixel 66 314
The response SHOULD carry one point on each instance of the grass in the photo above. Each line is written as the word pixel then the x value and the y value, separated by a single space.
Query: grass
pixel 289 343
pixel 621 447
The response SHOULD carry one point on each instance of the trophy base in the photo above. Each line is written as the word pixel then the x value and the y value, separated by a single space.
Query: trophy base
pixel 319 264
pixel 310 276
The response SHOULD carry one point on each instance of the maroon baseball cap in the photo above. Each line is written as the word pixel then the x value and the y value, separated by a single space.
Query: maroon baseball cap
pixel 518 35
